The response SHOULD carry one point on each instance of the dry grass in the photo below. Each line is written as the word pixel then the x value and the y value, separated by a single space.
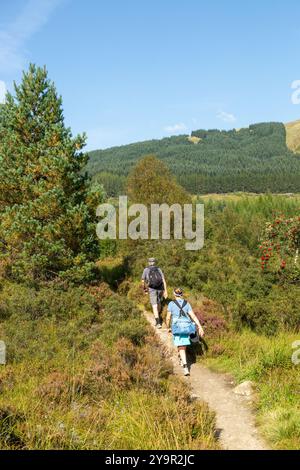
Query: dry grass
pixel 194 139
pixel 293 135
pixel 239 196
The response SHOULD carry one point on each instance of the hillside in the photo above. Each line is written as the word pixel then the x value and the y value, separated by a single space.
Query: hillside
pixel 256 159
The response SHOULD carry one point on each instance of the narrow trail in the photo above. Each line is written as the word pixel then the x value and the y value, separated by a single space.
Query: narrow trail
pixel 235 422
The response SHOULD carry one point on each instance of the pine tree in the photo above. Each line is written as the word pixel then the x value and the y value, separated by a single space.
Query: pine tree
pixel 47 211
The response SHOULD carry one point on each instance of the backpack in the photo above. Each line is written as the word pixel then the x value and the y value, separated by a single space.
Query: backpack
pixel 183 325
pixel 155 280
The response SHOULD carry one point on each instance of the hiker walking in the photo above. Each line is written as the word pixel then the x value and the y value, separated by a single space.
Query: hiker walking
pixel 185 325
pixel 153 281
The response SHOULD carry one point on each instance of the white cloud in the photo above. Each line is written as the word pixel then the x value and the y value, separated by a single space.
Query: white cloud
pixel 226 117
pixel 13 38
pixel 2 91
pixel 180 127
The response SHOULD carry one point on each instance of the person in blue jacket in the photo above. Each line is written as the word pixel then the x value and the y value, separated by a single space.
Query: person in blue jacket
pixel 181 308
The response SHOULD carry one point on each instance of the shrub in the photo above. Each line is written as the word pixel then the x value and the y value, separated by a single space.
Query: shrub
pixel 9 436
pixel 57 386
pixel 113 270
pixel 256 315
pixel 213 324
pixel 152 368
pixel 279 310
pixel 217 350
pixel 127 351
pixel 135 330
pixel 118 309
pixel 99 291
pixel 136 293
pixel 7 378
pixel 29 303
pixel 47 339
pixel 105 376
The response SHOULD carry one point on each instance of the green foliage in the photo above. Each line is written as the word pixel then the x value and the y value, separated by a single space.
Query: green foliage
pixel 121 319
pixel 227 269
pixel 254 321
pixel 113 270
pixel 280 247
pixel 151 182
pixel 47 327
pixel 118 309
pixel 113 184
pixel 47 206
pixel 28 303
pixel 254 159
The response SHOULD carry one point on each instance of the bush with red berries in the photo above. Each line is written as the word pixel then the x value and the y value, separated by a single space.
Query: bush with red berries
pixel 280 245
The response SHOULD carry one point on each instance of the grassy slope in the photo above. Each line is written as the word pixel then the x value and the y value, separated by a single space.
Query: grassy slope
pixel 267 362
pixel 92 378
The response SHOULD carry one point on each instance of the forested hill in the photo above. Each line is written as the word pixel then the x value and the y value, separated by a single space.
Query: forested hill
pixel 254 159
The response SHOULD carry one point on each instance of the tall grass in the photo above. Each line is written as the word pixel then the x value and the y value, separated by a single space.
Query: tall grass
pixel 268 363
pixel 93 379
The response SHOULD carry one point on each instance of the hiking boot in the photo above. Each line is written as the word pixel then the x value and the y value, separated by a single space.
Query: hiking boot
pixel 186 370
pixel 157 323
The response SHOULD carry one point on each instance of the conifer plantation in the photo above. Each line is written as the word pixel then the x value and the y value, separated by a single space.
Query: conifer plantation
pixel 256 159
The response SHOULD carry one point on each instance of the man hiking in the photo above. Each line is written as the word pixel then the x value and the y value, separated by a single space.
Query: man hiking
pixel 185 325
pixel 153 282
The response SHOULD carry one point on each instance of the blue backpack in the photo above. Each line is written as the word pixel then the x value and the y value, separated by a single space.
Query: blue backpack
pixel 183 325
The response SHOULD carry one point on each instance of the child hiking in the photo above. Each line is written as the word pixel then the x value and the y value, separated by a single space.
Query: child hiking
pixel 185 325
pixel 153 281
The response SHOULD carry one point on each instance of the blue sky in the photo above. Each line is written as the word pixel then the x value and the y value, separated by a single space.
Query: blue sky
pixel 132 70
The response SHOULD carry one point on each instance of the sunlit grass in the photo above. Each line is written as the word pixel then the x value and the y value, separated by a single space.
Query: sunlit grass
pixel 267 361
pixel 66 386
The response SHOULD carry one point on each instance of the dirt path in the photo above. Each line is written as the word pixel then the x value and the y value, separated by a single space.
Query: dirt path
pixel 235 422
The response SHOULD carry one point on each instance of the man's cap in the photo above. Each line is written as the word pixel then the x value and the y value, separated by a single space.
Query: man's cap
pixel 151 260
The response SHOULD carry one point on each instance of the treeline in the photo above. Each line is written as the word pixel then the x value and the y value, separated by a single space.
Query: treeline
pixel 254 159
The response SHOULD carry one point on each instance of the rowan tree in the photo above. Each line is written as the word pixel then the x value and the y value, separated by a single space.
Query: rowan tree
pixel 280 247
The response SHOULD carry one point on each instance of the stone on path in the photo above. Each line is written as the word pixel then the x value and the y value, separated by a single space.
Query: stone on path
pixel 245 389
